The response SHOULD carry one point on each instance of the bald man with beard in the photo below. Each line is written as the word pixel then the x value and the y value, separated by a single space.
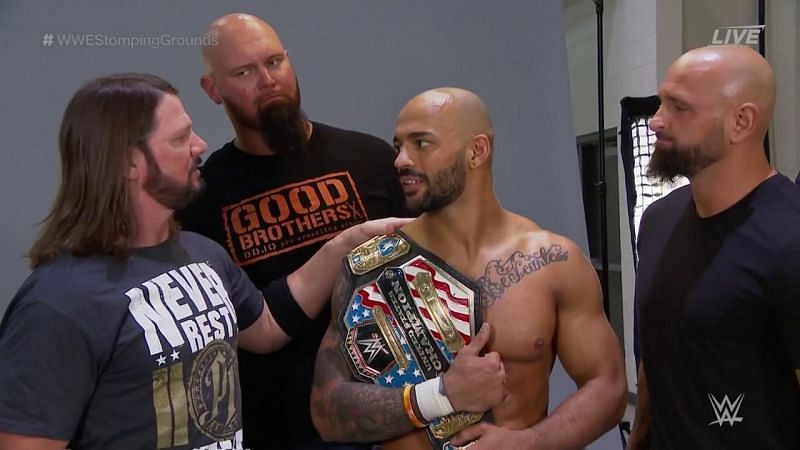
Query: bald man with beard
pixel 718 281
pixel 540 297
pixel 274 195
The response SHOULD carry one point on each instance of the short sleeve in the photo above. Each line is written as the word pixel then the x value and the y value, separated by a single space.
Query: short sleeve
pixel 247 299
pixel 47 371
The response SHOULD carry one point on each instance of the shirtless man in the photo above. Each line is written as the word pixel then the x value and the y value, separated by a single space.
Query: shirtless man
pixel 540 295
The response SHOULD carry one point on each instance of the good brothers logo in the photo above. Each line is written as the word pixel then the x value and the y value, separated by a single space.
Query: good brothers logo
pixel 292 217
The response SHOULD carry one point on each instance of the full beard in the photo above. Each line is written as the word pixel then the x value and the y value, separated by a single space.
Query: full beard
pixel 446 187
pixel 170 192
pixel 668 163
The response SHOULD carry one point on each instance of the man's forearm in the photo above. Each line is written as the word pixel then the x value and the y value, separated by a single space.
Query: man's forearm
pixel 312 283
pixel 584 416
pixel 363 412
pixel 351 411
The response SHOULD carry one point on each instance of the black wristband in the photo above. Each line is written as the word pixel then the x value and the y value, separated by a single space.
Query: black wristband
pixel 284 308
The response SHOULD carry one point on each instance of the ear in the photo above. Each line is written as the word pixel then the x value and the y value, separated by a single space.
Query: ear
pixel 137 165
pixel 210 87
pixel 745 122
pixel 481 150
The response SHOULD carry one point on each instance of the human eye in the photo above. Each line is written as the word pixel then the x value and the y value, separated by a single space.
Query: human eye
pixel 183 137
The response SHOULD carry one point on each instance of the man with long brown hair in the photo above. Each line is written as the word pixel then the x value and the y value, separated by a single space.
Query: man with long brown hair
pixel 124 335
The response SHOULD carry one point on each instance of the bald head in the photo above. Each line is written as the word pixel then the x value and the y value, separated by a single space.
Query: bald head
pixel 455 108
pixel 443 139
pixel 232 32
pixel 733 76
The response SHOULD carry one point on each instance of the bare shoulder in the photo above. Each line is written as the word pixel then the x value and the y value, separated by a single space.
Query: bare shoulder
pixel 529 257
pixel 563 259
pixel 571 275
pixel 531 238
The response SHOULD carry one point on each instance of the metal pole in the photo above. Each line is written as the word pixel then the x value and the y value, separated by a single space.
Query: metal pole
pixel 601 151
pixel 762 48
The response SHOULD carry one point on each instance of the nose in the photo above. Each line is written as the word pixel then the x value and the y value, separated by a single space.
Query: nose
pixel 199 146
pixel 402 160
pixel 656 123
pixel 266 78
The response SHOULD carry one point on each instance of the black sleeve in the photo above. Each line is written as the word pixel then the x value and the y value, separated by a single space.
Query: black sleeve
pixel 284 308
pixel 48 372
pixel 645 225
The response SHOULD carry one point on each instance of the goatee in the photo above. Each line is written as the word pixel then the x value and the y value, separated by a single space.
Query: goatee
pixel 283 126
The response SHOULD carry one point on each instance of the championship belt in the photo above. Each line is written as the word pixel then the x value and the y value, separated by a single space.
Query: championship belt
pixel 408 315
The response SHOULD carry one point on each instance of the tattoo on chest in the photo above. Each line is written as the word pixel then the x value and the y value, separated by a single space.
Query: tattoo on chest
pixel 499 276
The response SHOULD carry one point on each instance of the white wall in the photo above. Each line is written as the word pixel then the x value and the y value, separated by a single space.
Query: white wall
pixel 783 51
pixel 702 17
pixel 629 29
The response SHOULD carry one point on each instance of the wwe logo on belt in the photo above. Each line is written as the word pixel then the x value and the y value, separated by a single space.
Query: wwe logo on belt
pixel 372 347
pixel 725 410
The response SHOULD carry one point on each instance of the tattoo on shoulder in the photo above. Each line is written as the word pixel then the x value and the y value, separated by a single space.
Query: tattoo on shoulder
pixel 499 276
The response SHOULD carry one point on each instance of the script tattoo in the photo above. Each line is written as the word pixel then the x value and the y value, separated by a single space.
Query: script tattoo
pixel 498 276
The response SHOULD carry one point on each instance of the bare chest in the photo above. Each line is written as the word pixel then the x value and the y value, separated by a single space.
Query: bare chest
pixel 523 322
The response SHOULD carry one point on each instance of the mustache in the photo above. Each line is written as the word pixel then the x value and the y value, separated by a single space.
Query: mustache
pixel 663 136
pixel 411 173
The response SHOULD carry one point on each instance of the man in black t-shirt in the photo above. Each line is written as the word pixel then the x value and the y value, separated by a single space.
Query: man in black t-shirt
pixel 283 187
pixel 718 281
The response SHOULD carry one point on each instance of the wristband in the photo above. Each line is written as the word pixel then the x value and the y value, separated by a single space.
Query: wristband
pixel 284 308
pixel 410 408
pixel 431 403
